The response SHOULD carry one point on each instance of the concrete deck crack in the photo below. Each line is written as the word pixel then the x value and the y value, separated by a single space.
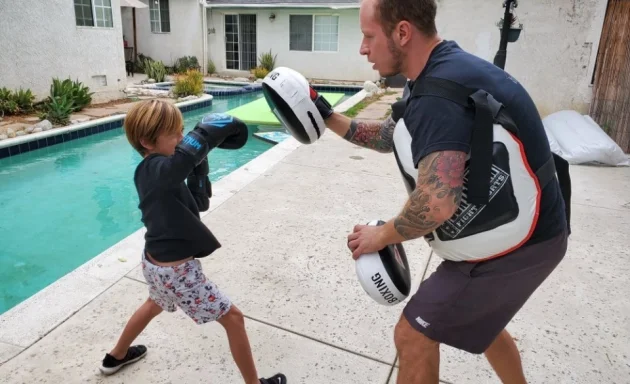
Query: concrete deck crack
pixel 317 340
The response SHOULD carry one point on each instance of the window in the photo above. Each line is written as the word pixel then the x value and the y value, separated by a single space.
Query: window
pixel 87 11
pixel 318 33
pixel 160 21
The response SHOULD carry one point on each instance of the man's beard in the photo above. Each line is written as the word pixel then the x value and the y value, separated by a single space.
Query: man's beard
pixel 397 59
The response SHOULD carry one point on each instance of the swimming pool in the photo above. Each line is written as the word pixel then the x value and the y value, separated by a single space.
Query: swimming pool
pixel 64 204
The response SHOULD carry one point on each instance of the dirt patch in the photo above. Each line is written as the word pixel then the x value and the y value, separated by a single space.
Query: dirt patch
pixel 29 118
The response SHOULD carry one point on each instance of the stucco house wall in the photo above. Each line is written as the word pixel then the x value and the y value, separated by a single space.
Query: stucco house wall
pixel 54 46
pixel 344 64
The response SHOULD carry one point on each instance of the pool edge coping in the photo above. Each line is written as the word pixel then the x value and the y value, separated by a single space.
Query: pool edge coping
pixel 26 323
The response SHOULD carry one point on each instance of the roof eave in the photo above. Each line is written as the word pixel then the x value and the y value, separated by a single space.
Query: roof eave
pixel 284 5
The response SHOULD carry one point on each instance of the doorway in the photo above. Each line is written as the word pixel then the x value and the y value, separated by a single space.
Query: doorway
pixel 240 42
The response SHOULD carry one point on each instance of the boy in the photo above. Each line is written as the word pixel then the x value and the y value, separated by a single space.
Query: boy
pixel 175 236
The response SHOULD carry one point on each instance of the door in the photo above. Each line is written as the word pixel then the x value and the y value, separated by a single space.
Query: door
pixel 610 107
pixel 240 42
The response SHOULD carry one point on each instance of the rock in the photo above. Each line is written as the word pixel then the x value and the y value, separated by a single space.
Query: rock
pixel 79 120
pixel 259 80
pixel 3 137
pixel 37 130
pixel 151 81
pixel 45 125
pixel 20 133
pixel 30 129
pixel 370 87
pixel 191 97
pixel 10 133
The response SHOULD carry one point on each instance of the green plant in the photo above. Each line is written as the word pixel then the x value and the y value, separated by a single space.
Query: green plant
pixel 77 93
pixel 8 107
pixel 268 61
pixel 58 109
pixel 5 94
pixel 260 72
pixel 185 63
pixel 211 67
pixel 155 70
pixel 139 67
pixel 189 83
pixel 24 99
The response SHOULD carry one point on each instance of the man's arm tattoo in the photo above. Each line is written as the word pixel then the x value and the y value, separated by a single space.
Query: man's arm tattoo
pixel 378 136
pixel 437 195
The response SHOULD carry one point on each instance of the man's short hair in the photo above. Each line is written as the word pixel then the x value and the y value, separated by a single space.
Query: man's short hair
pixel 420 13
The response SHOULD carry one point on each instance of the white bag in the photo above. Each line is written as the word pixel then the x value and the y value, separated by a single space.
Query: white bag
pixel 579 139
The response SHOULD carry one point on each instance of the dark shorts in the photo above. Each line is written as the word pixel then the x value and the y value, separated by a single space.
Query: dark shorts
pixel 466 305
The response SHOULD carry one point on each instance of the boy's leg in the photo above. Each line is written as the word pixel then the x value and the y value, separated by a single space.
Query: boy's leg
pixel 123 353
pixel 136 324
pixel 234 324
pixel 206 303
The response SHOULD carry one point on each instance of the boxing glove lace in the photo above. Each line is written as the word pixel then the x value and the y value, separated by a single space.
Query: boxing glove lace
pixel 322 105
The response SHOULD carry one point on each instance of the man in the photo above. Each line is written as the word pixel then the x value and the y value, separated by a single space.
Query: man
pixel 464 304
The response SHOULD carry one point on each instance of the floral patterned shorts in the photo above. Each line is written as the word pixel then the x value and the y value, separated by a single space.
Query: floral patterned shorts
pixel 185 286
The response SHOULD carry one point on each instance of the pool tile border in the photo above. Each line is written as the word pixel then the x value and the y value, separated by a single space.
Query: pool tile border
pixel 56 136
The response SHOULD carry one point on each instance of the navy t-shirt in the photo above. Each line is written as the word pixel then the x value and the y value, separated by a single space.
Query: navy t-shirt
pixel 437 124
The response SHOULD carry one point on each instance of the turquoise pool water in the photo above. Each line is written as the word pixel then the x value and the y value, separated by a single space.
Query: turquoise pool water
pixel 65 204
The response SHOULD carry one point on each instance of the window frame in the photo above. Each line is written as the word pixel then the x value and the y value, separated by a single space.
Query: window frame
pixel 95 20
pixel 159 12
pixel 238 33
pixel 313 17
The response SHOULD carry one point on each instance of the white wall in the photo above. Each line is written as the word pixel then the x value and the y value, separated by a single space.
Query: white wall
pixel 184 39
pixel 555 54
pixel 275 36
pixel 40 40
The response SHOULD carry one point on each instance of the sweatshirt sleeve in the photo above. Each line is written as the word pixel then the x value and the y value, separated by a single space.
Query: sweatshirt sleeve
pixel 170 171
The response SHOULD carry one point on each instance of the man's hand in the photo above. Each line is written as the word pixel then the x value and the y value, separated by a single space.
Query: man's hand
pixel 372 238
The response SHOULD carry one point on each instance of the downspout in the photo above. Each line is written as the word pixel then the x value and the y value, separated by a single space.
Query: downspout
pixel 204 40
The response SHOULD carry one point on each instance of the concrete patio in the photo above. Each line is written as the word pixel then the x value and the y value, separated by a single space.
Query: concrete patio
pixel 283 221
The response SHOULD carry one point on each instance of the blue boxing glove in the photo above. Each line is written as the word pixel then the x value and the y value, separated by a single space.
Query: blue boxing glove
pixel 214 130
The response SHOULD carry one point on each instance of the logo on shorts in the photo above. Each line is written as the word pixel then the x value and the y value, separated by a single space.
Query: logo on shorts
pixel 420 321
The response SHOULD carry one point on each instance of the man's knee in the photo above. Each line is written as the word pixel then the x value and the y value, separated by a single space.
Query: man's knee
pixel 408 340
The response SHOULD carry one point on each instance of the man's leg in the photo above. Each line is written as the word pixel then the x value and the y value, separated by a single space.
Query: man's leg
pixel 419 356
pixel 505 359
pixel 136 324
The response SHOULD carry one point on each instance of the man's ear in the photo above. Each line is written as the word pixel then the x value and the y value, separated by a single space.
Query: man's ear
pixel 402 32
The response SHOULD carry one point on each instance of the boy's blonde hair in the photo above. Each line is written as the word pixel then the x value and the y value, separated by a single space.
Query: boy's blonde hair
pixel 146 120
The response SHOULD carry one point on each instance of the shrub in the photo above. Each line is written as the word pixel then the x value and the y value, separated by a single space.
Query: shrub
pixel 14 102
pixel 155 70
pixel 260 72
pixel 268 61
pixel 185 63
pixel 57 109
pixel 76 92
pixel 211 67
pixel 189 83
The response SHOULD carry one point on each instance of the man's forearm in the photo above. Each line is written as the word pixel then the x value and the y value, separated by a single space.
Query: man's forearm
pixel 377 135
